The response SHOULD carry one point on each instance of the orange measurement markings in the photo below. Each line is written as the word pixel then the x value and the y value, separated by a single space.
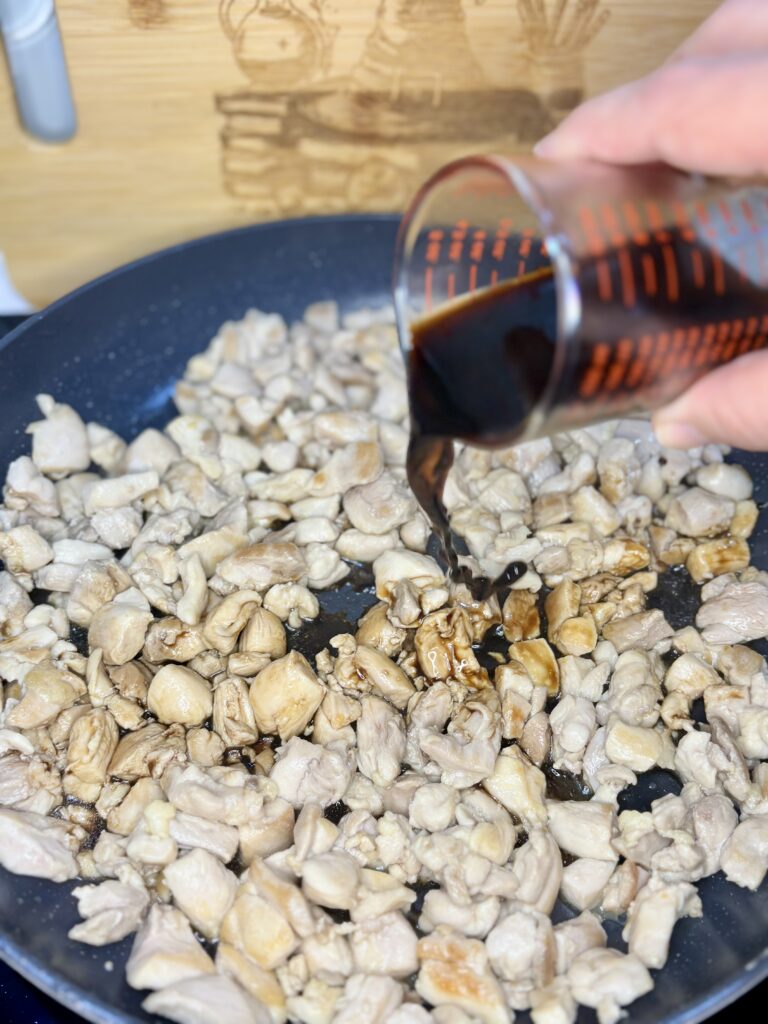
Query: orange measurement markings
pixel 472 277
pixel 678 342
pixel 525 243
pixel 688 353
pixel 723 333
pixel 640 363
pixel 705 348
pixel 627 276
pixel 683 223
pixel 656 221
pixel 634 223
pixel 604 288
pixel 650 283
pixel 718 271
pixel 494 276
pixel 749 335
pixel 729 351
pixel 670 272
pixel 593 376
pixel 428 287
pixel 594 239
pixel 620 365
pixel 434 244
pixel 451 285
pixel 661 347
pixel 477 247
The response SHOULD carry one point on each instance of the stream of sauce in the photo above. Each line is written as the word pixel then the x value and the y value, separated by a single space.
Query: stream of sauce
pixel 477 367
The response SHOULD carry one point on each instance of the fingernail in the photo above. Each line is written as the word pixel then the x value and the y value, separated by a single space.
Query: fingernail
pixel 673 434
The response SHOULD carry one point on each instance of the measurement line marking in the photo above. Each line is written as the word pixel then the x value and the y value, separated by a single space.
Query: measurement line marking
pixel 428 287
pixel 627 277
pixel 650 283
pixel 670 270
pixel 604 289
pixel 472 277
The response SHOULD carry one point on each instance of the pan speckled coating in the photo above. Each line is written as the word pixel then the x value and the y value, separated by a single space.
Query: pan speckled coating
pixel 114 349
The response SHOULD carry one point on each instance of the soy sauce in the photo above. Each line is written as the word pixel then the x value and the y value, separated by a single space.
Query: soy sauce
pixel 477 367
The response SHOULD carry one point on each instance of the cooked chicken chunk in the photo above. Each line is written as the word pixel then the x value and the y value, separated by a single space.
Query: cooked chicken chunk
pixel 111 910
pixel 607 980
pixel 203 1000
pixel 165 951
pixel 31 844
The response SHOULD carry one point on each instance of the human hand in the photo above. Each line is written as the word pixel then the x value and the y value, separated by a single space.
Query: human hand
pixel 703 110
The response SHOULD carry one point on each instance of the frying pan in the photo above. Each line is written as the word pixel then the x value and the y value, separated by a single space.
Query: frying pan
pixel 114 349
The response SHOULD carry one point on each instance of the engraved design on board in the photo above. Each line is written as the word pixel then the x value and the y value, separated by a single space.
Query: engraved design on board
pixel 308 134
pixel 147 13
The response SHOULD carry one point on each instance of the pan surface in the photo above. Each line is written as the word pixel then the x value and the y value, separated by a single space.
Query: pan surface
pixel 113 349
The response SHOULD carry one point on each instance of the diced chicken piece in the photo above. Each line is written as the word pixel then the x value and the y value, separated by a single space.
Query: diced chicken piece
pixel 285 695
pixel 521 949
pixel 385 677
pixel 306 772
pixel 233 799
pixel 111 910
pixel 744 858
pixel 584 828
pixel 165 951
pixel 192 832
pixel 385 945
pixel 714 819
pixel 380 741
pixel 474 919
pixel 60 441
pixel 32 844
pixel 368 997
pixel 553 1004
pixel 316 1004
pixel 641 631
pixel 467 752
pixel 262 985
pixel 519 786
pixel 331 879
pixel 584 881
pixel 433 807
pixel 574 937
pixel 455 971
pixel 725 479
pixel 653 915
pixel 737 614
pixel 538 871
pixel 259 930
pixel 606 980
pixel 700 513
pixel 623 885
pixel 202 888
pixel 204 999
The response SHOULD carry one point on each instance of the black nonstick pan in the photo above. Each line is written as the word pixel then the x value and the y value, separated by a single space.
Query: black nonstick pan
pixel 114 349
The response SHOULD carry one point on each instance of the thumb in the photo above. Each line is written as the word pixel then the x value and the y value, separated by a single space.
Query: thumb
pixel 728 406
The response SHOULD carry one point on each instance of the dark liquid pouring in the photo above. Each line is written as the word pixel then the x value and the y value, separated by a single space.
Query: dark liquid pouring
pixel 477 368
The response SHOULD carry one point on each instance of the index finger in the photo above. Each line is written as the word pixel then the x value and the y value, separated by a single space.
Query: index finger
pixel 702 114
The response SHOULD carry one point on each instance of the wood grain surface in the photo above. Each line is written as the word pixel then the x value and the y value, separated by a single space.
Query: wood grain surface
pixel 199 115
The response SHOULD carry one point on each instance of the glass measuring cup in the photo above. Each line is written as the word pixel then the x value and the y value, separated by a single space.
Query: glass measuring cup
pixel 533 297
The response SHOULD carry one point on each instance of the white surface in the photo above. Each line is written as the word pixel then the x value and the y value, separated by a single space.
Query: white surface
pixel 11 303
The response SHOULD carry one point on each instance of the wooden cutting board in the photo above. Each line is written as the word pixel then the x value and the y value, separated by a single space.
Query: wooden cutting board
pixel 198 115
